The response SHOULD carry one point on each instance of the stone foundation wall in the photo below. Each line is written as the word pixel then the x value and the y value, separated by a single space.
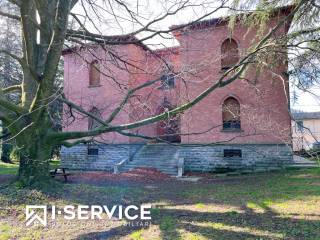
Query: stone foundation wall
pixel 108 155
pixel 197 158
pixel 208 158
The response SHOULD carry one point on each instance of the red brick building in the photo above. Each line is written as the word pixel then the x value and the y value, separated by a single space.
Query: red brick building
pixel 243 124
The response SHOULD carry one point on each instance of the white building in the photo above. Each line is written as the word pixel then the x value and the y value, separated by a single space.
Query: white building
pixel 305 130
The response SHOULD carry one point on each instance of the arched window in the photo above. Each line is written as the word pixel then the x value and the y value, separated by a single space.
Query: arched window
pixel 92 123
pixel 231 114
pixel 229 54
pixel 94 74
pixel 168 129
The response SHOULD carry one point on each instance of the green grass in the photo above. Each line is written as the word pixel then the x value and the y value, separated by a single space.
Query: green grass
pixel 200 205
pixel 54 163
pixel 6 168
pixel 4 232
pixel 136 235
pixel 280 205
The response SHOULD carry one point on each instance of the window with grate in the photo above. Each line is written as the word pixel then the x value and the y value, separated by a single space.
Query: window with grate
pixel 93 150
pixel 231 153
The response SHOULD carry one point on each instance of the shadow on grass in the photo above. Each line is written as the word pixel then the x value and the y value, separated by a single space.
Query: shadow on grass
pixel 263 191
pixel 246 225
pixel 185 213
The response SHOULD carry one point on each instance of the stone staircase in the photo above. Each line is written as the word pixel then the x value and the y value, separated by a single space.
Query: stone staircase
pixel 300 162
pixel 162 157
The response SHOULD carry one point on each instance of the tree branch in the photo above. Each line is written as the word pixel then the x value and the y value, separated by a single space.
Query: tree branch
pixel 16 2
pixel 15 57
pixel 304 31
pixel 12 88
pixel 81 110
pixel 239 68
pixel 71 144
pixel 10 106
pixel 130 37
pixel 8 15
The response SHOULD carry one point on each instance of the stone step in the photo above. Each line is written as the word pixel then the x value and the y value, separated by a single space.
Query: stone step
pixel 173 173
pixel 148 166
pixel 171 170
pixel 148 159
pixel 153 162
pixel 303 166
pixel 158 156
pixel 151 166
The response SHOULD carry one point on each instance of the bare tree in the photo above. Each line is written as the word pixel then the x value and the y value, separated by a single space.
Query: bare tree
pixel 49 26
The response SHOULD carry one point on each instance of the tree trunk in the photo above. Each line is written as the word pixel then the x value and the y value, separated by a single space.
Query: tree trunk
pixel 34 168
pixel 34 162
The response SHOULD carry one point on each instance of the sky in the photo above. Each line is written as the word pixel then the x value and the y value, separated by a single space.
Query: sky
pixel 308 101
pixel 103 21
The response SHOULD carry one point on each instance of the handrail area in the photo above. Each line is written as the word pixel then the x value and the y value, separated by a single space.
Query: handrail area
pixel 117 166
pixel 180 167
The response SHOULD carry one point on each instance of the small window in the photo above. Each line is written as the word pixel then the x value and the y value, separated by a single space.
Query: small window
pixel 231 153
pixel 94 74
pixel 93 149
pixel 229 54
pixel 299 126
pixel 231 114
pixel 167 81
pixel 92 123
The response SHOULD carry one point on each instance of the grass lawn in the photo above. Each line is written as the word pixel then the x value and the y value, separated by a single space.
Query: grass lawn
pixel 6 168
pixel 279 205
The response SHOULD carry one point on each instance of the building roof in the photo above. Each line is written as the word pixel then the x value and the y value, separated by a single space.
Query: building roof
pixel 222 20
pixel 110 40
pixel 306 115
pixel 131 39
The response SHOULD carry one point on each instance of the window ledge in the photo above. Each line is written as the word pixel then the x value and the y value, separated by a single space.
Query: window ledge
pixel 93 86
pixel 232 130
